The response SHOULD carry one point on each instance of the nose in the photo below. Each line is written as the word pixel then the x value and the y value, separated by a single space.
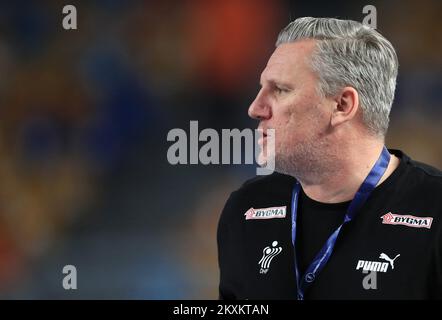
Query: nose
pixel 260 108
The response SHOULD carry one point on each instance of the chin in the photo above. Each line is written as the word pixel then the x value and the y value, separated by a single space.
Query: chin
pixel 262 160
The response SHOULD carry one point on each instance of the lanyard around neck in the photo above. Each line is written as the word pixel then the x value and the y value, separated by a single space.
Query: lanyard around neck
pixel 358 201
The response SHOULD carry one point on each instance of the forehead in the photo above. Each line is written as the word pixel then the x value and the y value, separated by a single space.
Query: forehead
pixel 289 61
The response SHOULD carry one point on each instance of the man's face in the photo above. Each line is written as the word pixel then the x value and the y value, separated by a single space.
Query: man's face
pixel 289 103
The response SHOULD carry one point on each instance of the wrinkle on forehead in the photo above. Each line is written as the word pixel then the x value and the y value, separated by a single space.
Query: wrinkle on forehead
pixel 289 60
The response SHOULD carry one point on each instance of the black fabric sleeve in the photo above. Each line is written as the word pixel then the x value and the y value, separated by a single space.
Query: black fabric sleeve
pixel 436 274
pixel 229 251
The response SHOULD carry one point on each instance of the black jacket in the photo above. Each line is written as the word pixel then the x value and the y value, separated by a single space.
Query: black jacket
pixel 397 233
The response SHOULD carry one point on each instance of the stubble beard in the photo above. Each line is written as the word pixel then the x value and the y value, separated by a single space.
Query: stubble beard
pixel 310 160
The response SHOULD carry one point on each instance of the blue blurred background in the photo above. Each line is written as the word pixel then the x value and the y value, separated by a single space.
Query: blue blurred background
pixel 84 115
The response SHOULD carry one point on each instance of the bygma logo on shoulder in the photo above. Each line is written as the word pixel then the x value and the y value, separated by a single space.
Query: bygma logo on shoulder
pixel 407 220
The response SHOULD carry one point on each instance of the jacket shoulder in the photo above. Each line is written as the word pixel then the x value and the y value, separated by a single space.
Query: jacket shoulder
pixel 273 182
pixel 261 191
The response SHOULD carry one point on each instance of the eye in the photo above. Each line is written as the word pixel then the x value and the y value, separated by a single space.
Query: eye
pixel 280 90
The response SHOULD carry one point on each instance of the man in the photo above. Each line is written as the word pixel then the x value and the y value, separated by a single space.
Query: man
pixel 344 218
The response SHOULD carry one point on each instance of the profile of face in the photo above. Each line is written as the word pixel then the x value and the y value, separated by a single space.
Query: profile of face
pixel 289 103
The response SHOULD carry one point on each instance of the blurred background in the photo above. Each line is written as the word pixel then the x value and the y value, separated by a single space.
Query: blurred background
pixel 84 115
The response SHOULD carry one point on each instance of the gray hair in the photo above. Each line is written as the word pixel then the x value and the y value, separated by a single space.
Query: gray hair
pixel 349 53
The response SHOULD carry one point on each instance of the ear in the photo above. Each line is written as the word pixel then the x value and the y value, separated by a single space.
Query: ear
pixel 346 106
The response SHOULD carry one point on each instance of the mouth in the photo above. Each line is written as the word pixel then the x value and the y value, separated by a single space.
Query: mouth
pixel 262 138
pixel 262 130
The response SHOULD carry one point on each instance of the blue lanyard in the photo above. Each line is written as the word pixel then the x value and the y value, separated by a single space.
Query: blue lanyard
pixel 324 254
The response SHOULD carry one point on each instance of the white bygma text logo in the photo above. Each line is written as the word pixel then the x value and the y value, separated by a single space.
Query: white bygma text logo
pixel 407 220
pixel 265 213
pixel 267 256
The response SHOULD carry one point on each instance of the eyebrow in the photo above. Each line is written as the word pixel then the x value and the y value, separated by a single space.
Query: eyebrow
pixel 275 82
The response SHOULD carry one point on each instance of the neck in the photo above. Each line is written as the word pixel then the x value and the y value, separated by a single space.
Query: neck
pixel 341 182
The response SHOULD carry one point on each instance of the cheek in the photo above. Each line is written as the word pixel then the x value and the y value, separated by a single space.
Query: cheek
pixel 288 129
pixel 304 120
pixel 298 115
